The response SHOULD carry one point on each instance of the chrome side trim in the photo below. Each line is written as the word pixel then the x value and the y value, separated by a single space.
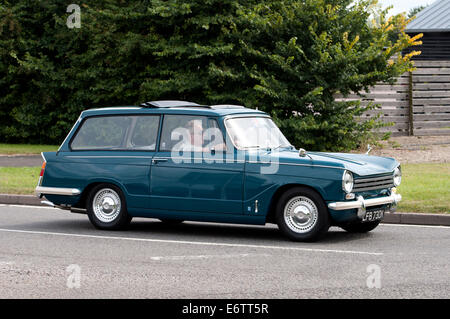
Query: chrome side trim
pixel 40 190
pixel 200 158
pixel 151 157
pixel 293 164
pixel 313 165
pixel 225 160
pixel 364 203
pixel 105 156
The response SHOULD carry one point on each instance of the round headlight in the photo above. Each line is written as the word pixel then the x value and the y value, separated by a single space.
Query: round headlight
pixel 347 182
pixel 397 176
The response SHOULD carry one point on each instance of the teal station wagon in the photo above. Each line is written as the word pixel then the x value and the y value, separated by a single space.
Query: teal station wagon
pixel 177 161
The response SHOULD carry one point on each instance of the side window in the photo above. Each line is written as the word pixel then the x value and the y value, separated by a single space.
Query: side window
pixel 190 133
pixel 144 133
pixel 104 132
pixel 117 133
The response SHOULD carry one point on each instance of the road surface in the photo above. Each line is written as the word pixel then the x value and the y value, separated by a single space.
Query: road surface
pixel 49 253
pixel 20 161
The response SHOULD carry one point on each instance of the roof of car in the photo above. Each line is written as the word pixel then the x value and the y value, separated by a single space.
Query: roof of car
pixel 219 110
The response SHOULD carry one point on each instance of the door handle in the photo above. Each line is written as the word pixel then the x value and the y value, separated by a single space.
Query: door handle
pixel 158 160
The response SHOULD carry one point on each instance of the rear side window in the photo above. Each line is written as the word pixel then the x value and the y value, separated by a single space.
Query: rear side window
pixel 117 133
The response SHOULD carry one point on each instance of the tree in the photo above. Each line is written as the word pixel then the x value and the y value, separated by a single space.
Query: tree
pixel 304 52
pixel 286 57
pixel 414 11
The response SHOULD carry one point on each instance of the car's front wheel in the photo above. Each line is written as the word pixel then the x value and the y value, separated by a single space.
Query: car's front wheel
pixel 107 208
pixel 360 227
pixel 301 214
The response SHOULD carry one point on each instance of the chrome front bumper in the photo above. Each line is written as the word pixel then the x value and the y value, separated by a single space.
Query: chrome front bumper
pixel 40 190
pixel 361 203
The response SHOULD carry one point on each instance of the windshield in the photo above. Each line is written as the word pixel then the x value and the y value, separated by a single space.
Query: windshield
pixel 255 132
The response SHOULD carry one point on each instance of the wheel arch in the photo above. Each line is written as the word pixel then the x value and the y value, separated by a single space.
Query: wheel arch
pixel 270 217
pixel 82 203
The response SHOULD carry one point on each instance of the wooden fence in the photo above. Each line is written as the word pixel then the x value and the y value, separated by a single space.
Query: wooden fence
pixel 418 104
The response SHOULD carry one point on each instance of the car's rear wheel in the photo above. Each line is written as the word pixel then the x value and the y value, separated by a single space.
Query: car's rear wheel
pixel 360 227
pixel 301 214
pixel 107 208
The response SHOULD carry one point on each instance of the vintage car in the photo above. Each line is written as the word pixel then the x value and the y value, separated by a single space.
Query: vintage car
pixel 177 161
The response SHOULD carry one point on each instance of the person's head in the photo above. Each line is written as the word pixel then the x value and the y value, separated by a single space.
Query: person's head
pixel 195 128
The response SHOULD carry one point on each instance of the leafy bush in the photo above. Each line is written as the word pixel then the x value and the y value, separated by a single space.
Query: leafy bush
pixel 286 57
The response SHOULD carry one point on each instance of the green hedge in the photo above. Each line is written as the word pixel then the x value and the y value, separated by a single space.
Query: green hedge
pixel 287 58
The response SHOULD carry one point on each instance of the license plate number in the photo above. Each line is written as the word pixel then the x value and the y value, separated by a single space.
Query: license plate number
pixel 373 215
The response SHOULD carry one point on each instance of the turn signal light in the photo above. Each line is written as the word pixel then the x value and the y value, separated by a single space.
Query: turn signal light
pixel 350 196
pixel 42 169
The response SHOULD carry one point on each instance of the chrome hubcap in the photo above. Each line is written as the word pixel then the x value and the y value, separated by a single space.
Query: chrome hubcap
pixel 106 205
pixel 300 214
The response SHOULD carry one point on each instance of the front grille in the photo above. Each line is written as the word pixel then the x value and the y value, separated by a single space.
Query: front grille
pixel 372 183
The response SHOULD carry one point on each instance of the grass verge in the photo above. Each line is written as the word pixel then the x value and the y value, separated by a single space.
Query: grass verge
pixel 18 180
pixel 425 187
pixel 26 148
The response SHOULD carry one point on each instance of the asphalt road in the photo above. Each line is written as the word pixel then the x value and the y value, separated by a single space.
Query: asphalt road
pixel 20 161
pixel 204 260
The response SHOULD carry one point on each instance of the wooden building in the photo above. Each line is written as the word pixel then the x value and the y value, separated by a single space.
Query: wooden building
pixel 434 23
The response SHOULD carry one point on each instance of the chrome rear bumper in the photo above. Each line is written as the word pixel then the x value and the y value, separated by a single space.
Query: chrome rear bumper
pixel 40 190
pixel 360 202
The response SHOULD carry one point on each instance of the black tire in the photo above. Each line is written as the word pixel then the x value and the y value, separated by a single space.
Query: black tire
pixel 319 223
pixel 360 227
pixel 171 221
pixel 119 220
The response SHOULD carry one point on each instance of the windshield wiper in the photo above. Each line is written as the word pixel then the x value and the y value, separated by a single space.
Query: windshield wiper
pixel 254 146
pixel 268 148
pixel 279 146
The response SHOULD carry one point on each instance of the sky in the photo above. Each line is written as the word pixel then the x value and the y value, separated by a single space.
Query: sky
pixel 403 5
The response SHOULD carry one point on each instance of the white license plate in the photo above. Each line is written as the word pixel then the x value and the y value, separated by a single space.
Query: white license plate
pixel 373 215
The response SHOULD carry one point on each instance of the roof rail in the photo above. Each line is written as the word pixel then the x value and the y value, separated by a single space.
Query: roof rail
pixel 227 106
pixel 168 104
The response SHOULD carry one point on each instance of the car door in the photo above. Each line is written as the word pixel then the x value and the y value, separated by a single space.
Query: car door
pixel 196 178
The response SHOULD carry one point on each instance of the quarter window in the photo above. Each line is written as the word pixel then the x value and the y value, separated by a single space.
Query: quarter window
pixel 117 133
